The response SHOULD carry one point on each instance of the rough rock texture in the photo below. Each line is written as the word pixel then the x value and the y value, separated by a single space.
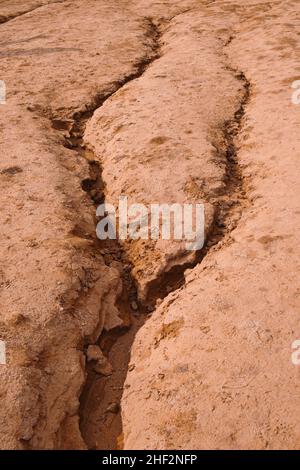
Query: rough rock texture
pixel 213 365
pixel 56 290
pixel 11 9
pixel 183 101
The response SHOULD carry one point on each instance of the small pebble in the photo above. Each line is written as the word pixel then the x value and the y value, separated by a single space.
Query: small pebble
pixel 94 353
pixel 103 369
pixel 113 408
pixel 134 306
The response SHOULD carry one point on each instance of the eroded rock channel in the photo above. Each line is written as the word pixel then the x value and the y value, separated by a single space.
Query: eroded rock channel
pixel 100 409
pixel 143 344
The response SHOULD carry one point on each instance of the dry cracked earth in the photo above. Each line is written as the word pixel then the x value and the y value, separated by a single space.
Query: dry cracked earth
pixel 142 344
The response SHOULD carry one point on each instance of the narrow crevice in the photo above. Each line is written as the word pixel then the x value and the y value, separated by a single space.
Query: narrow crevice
pixel 230 205
pixel 234 198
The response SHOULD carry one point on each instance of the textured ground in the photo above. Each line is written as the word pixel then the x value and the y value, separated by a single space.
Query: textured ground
pixel 186 101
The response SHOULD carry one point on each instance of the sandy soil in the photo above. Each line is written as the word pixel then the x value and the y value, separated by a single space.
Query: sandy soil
pixel 185 101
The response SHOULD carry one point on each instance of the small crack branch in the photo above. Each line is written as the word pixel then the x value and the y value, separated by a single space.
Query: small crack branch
pixel 5 19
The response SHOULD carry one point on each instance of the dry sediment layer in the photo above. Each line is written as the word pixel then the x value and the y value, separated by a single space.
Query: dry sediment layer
pixel 212 367
pixel 184 100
